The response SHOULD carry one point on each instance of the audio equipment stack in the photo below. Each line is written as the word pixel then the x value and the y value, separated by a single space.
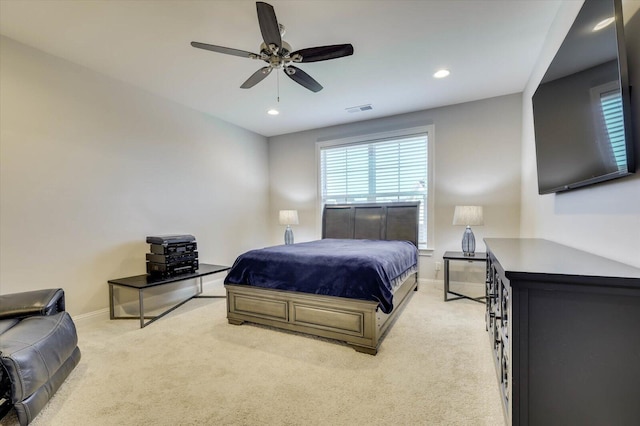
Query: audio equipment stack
pixel 172 255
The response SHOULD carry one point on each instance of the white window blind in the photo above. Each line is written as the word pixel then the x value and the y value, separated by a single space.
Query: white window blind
pixel 394 169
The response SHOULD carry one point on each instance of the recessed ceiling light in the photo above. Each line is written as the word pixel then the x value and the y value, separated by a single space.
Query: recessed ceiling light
pixel 273 112
pixel 604 23
pixel 441 73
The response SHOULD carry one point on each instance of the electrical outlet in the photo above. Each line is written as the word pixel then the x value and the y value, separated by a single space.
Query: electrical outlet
pixel 438 266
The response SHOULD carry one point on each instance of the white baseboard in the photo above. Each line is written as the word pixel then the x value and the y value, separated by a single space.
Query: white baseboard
pixel 429 282
pixel 100 314
pixel 215 287
pixel 471 288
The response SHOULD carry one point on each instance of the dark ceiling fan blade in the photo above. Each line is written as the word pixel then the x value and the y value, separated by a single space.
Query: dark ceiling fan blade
pixel 323 53
pixel 302 78
pixel 256 77
pixel 227 50
pixel 269 25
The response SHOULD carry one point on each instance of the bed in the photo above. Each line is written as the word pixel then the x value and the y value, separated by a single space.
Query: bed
pixel 360 323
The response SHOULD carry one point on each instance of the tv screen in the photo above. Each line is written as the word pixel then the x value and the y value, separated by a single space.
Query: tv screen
pixel 581 108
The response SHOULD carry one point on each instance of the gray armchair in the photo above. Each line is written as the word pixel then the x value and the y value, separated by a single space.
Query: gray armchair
pixel 38 350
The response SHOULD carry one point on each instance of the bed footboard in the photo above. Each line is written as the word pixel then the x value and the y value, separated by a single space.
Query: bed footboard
pixel 356 322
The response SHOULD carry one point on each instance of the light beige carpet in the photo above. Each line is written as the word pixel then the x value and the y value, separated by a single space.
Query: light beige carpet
pixel 192 368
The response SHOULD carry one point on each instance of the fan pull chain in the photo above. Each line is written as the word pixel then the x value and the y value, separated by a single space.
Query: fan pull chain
pixel 278 85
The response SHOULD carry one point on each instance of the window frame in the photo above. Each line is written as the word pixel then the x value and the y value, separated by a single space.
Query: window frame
pixel 429 130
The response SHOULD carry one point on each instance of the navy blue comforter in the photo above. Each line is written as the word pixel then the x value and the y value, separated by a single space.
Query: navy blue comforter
pixel 357 269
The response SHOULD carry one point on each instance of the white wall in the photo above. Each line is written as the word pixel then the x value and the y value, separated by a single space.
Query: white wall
pixel 477 161
pixel 603 219
pixel 91 166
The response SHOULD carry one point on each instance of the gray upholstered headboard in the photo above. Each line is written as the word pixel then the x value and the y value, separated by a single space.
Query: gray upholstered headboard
pixel 372 221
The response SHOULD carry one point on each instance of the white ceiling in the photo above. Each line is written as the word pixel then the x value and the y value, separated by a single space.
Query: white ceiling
pixel 490 46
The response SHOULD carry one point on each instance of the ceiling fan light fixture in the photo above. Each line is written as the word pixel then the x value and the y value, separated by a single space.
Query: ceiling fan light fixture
pixel 441 73
pixel 273 111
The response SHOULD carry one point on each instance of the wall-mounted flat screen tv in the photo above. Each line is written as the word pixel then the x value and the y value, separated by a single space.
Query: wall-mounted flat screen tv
pixel 581 109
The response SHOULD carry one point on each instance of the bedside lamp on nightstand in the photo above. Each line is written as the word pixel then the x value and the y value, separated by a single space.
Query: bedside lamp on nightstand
pixel 467 216
pixel 288 217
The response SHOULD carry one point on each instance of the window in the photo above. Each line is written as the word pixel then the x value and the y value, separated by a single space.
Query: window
pixel 380 168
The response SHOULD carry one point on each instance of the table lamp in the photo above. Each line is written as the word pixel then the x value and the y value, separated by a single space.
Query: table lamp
pixel 288 217
pixel 467 216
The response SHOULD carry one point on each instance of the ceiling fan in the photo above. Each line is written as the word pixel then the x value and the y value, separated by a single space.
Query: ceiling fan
pixel 277 52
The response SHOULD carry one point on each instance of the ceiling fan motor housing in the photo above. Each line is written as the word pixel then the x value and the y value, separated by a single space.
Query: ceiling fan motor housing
pixel 278 59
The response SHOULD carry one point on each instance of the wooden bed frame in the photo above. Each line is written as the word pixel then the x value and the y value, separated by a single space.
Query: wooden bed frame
pixel 357 322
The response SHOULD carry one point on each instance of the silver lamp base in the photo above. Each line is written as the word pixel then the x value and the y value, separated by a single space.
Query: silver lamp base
pixel 288 235
pixel 468 242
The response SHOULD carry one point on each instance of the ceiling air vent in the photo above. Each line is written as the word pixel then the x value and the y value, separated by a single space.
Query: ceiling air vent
pixel 359 108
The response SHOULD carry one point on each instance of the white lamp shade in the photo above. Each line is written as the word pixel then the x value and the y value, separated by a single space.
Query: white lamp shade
pixel 288 217
pixel 468 216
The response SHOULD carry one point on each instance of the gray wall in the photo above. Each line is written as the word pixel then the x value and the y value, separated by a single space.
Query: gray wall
pixel 91 166
pixel 603 219
pixel 477 161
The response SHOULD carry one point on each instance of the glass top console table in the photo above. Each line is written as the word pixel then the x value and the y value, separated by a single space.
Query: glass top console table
pixel 143 282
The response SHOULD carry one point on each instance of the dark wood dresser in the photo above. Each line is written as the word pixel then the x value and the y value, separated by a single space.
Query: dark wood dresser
pixel 564 327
